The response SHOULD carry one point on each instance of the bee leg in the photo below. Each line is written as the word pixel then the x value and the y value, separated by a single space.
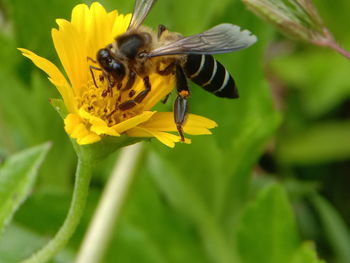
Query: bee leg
pixel 139 98
pixel 167 71
pixel 92 73
pixel 131 81
pixel 181 102
pixel 126 105
pixel 111 82
pixel 91 59
pixel 161 29
pixel 165 98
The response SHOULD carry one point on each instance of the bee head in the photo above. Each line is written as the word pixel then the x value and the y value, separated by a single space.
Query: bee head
pixel 110 64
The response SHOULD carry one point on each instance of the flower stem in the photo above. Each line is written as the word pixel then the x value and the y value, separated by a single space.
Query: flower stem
pixel 81 187
pixel 335 46
pixel 109 208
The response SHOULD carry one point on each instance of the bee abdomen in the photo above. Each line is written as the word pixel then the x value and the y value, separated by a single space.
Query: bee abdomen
pixel 210 74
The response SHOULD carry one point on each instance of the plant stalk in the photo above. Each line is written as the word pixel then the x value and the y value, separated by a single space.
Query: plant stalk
pixel 109 208
pixel 335 46
pixel 81 188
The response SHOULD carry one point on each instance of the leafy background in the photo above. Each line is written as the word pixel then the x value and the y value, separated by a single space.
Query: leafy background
pixel 271 184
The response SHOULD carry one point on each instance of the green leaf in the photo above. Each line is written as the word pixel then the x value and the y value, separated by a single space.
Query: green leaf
pixel 335 228
pixel 161 236
pixel 185 198
pixel 322 142
pixel 267 232
pixel 19 242
pixel 318 95
pixel 17 176
pixel 306 254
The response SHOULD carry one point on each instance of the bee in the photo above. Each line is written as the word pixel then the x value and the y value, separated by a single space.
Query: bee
pixel 141 51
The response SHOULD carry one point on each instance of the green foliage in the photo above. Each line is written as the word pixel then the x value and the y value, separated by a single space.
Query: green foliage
pixel 335 228
pixel 17 176
pixel 270 218
pixel 306 253
pixel 212 200
pixel 320 143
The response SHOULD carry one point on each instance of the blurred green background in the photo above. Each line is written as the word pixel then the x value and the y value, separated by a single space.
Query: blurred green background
pixel 271 185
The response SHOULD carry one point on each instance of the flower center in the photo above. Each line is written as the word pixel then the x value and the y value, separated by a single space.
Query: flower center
pixel 101 101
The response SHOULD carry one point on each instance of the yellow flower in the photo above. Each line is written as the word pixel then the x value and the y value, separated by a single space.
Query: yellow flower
pixel 92 110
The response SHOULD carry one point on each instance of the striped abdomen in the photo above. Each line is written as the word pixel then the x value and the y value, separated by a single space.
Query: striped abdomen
pixel 210 74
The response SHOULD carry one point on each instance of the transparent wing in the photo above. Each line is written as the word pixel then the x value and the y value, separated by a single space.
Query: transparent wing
pixel 141 10
pixel 222 38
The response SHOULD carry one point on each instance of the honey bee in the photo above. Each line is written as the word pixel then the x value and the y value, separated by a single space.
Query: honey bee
pixel 141 51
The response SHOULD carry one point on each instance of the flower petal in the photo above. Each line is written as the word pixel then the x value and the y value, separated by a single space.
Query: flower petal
pixel 132 122
pixel 77 129
pixel 55 76
pixel 98 125
pixel 120 24
pixel 90 138
pixel 161 87
pixel 195 124
pixel 103 27
pixel 80 17
pixel 69 45
pixel 166 138
pixel 70 122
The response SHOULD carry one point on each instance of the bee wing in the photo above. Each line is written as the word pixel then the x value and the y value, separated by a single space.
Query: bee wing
pixel 141 10
pixel 222 38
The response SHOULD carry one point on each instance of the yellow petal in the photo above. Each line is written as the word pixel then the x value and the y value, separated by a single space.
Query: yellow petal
pixel 161 87
pixel 91 118
pixel 55 76
pixel 90 138
pixel 80 18
pixel 166 138
pixel 70 122
pixel 98 125
pixel 112 16
pixel 195 124
pixel 120 25
pixel 77 129
pixel 69 45
pixel 100 25
pixel 132 122
pixel 104 129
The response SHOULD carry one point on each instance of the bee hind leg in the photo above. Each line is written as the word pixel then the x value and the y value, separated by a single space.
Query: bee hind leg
pixel 181 102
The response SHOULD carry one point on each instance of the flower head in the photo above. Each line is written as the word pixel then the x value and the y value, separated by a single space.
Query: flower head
pixel 296 18
pixel 92 109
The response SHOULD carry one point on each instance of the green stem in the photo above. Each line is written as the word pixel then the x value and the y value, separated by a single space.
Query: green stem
pixel 109 208
pixel 81 187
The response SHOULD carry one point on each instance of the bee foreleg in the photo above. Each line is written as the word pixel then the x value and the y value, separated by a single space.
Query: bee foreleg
pixel 139 98
pixel 110 81
pixel 161 29
pixel 92 73
pixel 181 102
pixel 126 105
pixel 131 81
